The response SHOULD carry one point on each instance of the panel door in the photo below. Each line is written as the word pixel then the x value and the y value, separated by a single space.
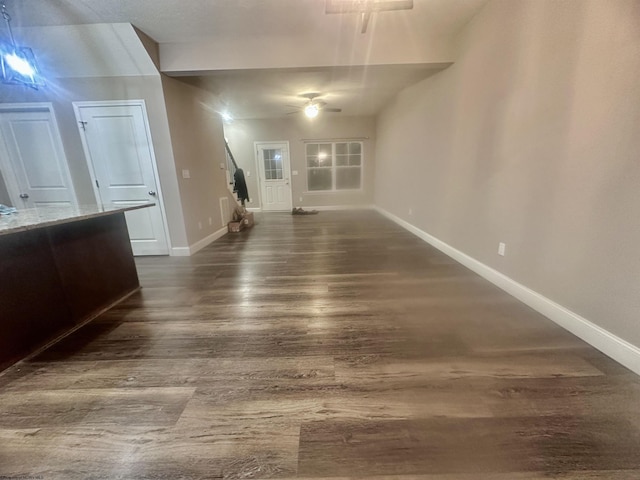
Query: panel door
pixel 33 161
pixel 119 149
pixel 273 164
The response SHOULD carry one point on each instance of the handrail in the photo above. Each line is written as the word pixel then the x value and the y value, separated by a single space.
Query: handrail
pixel 226 145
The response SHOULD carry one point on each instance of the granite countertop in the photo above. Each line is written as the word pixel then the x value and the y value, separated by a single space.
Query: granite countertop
pixel 30 218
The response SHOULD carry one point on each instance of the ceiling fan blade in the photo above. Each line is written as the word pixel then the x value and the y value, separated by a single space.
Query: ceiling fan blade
pixel 336 110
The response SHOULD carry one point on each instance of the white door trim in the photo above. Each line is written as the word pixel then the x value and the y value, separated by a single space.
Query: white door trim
pixel 118 103
pixel 10 180
pixel 257 165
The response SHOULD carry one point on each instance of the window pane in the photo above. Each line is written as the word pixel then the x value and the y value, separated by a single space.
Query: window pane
pixel 325 154
pixel 277 174
pixel 312 149
pixel 324 149
pixel 313 162
pixel 347 178
pixel 342 160
pixel 267 174
pixel 355 147
pixel 341 148
pixel 319 179
pixel 324 160
pixel 354 159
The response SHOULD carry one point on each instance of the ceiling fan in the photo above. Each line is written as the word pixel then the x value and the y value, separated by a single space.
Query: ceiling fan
pixel 315 106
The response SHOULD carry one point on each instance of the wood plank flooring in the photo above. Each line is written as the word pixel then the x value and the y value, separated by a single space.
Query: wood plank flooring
pixel 329 346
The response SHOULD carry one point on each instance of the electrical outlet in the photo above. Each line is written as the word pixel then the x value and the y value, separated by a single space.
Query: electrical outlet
pixel 186 173
pixel 502 249
pixel 199 225
pixel 411 211
pixel 210 222
pixel 300 199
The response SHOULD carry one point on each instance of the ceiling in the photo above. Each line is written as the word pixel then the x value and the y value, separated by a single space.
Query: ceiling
pixel 267 92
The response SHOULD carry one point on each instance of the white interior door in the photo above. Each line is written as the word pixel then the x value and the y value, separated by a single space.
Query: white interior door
pixel 273 165
pixel 118 146
pixel 32 158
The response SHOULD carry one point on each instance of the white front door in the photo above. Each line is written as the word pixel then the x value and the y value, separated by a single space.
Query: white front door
pixel 273 165
pixel 118 147
pixel 32 158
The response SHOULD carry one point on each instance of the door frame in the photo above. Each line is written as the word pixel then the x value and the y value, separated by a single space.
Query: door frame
pixel 85 147
pixel 258 170
pixel 9 175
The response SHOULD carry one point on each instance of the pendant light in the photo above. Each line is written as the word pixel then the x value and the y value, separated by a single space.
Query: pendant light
pixel 18 64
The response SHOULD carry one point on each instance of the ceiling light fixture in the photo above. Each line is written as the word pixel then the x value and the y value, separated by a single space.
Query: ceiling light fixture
pixel 226 116
pixel 311 110
pixel 18 63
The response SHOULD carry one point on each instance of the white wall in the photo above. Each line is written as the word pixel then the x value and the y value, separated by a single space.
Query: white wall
pixel 242 134
pixel 531 138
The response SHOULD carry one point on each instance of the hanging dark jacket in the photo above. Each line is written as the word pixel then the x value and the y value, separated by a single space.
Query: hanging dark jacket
pixel 240 185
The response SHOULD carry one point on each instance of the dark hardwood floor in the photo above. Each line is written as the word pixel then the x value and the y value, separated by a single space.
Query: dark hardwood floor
pixel 335 345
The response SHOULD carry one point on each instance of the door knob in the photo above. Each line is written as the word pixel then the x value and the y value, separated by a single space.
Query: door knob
pixel 24 195
pixel 152 193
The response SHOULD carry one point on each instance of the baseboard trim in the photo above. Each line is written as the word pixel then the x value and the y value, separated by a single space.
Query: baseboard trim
pixel 615 347
pixel 339 207
pixel 253 209
pixel 200 244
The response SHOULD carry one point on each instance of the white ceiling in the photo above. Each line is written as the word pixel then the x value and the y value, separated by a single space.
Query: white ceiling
pixel 259 91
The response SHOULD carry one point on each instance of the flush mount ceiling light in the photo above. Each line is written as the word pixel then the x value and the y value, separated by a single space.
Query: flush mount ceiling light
pixel 18 63
pixel 366 8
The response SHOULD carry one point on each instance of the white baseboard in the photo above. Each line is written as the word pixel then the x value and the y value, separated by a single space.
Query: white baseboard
pixel 179 252
pixel 320 208
pixel 200 244
pixel 253 209
pixel 339 207
pixel 615 347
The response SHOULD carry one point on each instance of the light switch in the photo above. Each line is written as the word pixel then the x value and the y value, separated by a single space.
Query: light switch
pixel 186 174
pixel 294 172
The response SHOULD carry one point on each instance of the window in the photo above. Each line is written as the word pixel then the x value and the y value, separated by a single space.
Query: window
pixel 334 166
pixel 272 159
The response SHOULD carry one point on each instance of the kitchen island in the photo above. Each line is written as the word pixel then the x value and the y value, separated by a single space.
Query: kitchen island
pixel 59 268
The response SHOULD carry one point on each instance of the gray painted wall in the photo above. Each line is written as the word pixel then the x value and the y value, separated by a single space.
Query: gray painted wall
pixel 242 134
pixel 198 146
pixel 531 138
